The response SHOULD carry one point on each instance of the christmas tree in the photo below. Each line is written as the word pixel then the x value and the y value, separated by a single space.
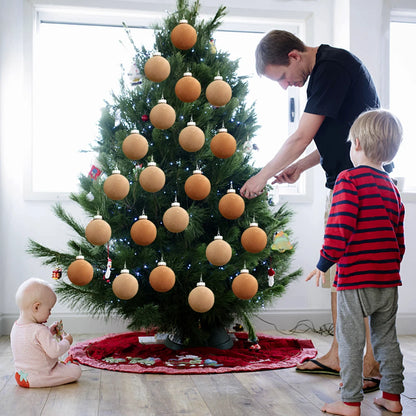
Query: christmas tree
pixel 170 233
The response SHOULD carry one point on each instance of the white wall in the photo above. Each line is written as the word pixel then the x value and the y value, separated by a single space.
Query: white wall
pixel 22 219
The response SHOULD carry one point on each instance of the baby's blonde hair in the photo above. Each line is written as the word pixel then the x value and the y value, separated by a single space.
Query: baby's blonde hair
pixel 380 134
pixel 31 291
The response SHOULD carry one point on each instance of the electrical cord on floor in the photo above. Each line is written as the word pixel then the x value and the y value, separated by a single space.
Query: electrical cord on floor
pixel 303 326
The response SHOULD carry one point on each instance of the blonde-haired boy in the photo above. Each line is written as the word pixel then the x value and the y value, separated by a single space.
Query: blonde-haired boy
pixel 364 237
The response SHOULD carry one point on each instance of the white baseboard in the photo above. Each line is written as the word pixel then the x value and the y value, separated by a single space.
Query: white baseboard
pixel 266 320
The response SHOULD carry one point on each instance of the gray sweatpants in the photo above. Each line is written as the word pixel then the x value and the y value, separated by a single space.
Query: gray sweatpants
pixel 380 305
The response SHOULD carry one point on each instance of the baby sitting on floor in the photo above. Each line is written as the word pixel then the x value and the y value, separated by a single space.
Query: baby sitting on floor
pixel 34 345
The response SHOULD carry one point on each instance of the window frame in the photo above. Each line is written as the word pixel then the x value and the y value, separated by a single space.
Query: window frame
pixel 114 17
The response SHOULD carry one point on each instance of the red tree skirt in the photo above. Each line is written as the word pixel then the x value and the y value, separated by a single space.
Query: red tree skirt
pixel 123 352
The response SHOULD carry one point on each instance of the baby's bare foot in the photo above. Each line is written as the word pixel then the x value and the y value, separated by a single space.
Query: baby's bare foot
pixel 390 405
pixel 340 408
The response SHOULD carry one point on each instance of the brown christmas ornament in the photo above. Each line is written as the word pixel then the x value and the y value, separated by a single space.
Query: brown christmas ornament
pixel 201 299
pixel 80 272
pixel 231 205
pixel 197 186
pixel 183 36
pixel 125 286
pixel 135 146
pixel 143 232
pixel 157 68
pixel 191 138
pixel 244 285
pixel 218 92
pixel 98 231
pixel 152 178
pixel 162 278
pixel 162 115
pixel 223 144
pixel 188 88
pixel 254 239
pixel 218 252
pixel 116 186
pixel 175 219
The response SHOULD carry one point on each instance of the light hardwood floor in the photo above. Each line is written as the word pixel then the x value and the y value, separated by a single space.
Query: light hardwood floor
pixel 276 392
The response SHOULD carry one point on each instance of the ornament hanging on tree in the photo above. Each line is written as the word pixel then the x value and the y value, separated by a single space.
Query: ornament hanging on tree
pixel 116 186
pixel 254 239
pixel 135 146
pixel 201 299
pixel 144 117
pixel 57 273
pixel 125 286
pixel 152 179
pixel 134 75
pixel 281 242
pixel 231 205
pixel 197 186
pixel 175 219
pixel 162 278
pixel 162 115
pixel 80 272
pixel 218 252
pixel 244 285
pixel 157 68
pixel 212 47
pixel 218 92
pixel 143 232
pixel 183 36
pixel 191 138
pixel 94 172
pixel 223 144
pixel 271 273
pixel 188 88
pixel 98 231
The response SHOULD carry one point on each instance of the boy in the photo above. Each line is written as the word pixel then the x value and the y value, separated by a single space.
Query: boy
pixel 35 350
pixel 364 236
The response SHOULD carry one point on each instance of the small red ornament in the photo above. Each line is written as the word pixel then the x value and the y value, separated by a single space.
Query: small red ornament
pixel 94 172
pixel 57 273
pixel 145 117
pixel 271 272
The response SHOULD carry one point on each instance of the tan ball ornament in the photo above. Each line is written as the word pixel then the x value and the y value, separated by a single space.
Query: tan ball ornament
pixel 143 232
pixel 80 272
pixel 201 299
pixel 244 285
pixel 175 219
pixel 116 186
pixel 125 286
pixel 162 115
pixel 188 88
pixel 231 205
pixel 218 92
pixel 135 146
pixel 191 138
pixel 183 36
pixel 98 231
pixel 157 68
pixel 223 144
pixel 254 239
pixel 152 179
pixel 218 252
pixel 197 186
pixel 162 278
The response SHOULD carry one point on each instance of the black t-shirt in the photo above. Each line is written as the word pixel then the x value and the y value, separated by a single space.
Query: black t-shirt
pixel 340 88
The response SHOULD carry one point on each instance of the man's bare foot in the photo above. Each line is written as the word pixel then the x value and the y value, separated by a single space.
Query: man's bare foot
pixel 340 408
pixel 390 405
pixel 328 360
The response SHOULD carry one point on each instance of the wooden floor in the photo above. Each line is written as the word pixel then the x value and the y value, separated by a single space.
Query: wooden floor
pixel 276 392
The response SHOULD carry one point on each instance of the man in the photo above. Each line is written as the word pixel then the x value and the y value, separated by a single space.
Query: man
pixel 339 89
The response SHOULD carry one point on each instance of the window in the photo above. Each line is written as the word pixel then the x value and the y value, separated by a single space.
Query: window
pixel 402 91
pixel 76 68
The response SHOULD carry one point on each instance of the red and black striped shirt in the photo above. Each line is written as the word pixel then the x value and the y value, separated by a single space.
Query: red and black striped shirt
pixel 364 233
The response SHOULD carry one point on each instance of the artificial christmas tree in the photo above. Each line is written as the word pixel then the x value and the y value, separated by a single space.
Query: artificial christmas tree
pixel 190 311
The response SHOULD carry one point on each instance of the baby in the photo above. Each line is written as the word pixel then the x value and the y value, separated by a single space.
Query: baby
pixel 35 347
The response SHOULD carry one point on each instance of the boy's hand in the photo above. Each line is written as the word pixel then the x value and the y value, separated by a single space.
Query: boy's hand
pixel 69 338
pixel 318 274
